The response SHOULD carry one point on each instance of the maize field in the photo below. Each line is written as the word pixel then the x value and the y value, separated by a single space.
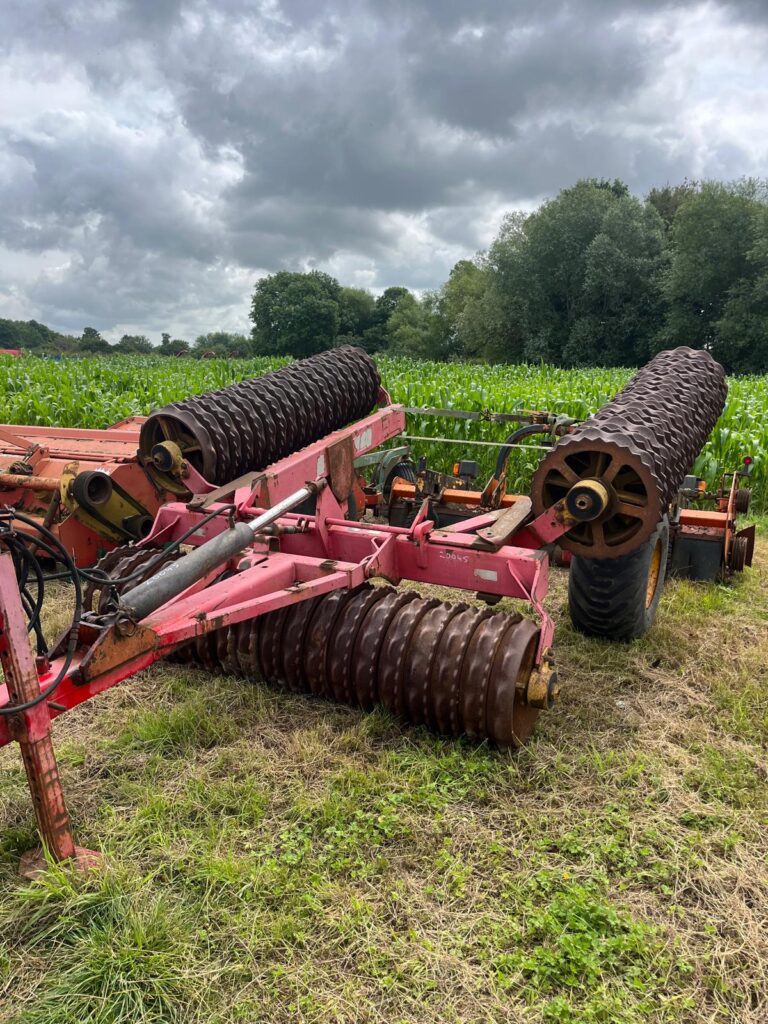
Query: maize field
pixel 97 391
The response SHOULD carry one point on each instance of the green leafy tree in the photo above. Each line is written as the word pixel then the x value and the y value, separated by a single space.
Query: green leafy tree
pixel 617 187
pixel 742 331
pixel 459 305
pixel 417 329
pixel 377 337
pixel 134 344
pixel 620 307
pixel 500 331
pixel 390 300
pixel 432 327
pixel 222 344
pixel 91 341
pixel 34 336
pixel 295 314
pixel 357 314
pixel 172 346
pixel 577 281
pixel 713 234
pixel 668 199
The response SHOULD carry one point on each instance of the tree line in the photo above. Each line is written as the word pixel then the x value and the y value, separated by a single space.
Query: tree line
pixel 594 276
pixel 31 336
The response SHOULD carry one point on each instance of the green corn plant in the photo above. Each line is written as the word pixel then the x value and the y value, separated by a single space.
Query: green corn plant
pixel 97 391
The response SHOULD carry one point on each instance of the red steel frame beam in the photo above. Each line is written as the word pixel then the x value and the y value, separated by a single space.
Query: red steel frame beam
pixel 129 434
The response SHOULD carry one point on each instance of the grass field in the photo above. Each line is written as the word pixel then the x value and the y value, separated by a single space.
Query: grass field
pixel 272 858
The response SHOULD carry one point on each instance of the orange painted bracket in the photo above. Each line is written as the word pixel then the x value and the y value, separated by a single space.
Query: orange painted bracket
pixel 703 517
pixel 452 496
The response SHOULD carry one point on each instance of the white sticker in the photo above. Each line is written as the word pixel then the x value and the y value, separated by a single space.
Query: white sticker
pixel 364 440
pixel 487 574
pixel 320 466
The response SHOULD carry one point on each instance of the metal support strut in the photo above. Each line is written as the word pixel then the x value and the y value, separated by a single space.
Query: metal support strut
pixel 32 730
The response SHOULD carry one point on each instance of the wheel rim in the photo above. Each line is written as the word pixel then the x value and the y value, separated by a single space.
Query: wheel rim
pixel 633 511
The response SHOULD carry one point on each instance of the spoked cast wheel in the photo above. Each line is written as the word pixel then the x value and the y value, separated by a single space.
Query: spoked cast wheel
pixel 624 470
pixel 617 598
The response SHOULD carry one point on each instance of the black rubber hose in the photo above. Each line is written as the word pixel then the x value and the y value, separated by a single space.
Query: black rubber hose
pixel 60 553
pixel 161 556
pixel 517 435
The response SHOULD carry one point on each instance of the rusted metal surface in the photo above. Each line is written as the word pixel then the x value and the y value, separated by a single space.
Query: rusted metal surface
pixel 404 490
pixel 697 531
pixel 506 524
pixel 54 455
pixel 542 688
pixel 743 500
pixel 640 445
pixel 703 517
pixel 114 649
pixel 341 468
pixel 456 669
pixel 13 481
pixel 252 424
pixel 742 549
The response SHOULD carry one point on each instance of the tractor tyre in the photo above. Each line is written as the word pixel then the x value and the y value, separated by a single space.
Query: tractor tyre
pixel 743 500
pixel 617 598
pixel 405 471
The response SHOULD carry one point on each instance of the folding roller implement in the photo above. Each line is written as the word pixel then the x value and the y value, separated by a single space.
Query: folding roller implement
pixel 258 561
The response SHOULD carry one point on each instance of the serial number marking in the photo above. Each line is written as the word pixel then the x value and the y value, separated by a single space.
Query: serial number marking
pixel 454 556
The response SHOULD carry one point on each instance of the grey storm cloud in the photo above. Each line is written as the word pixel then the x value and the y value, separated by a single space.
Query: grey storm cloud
pixel 156 156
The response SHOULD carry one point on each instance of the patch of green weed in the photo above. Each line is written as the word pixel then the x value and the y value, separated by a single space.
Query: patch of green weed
pixel 728 777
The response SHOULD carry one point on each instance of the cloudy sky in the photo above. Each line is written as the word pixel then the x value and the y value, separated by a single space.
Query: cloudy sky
pixel 157 156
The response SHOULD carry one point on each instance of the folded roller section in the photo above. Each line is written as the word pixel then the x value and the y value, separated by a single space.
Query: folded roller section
pixel 639 447
pixel 249 425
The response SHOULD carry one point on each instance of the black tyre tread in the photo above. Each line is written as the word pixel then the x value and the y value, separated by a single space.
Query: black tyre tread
pixel 606 596
pixel 404 470
pixel 743 500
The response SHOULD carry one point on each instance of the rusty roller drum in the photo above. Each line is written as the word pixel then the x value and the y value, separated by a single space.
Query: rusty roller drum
pixel 249 425
pixel 456 669
pixel 629 459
